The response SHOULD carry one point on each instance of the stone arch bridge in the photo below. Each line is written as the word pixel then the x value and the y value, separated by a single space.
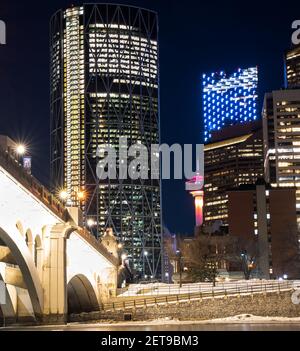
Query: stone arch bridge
pixel 50 265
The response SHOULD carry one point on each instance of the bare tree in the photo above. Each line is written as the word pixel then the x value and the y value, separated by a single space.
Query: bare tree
pixel 289 262
pixel 204 255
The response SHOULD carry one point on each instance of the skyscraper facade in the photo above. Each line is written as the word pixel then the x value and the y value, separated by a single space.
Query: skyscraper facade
pixel 292 68
pixel 105 85
pixel 233 157
pixel 229 99
pixel 281 125
pixel 264 219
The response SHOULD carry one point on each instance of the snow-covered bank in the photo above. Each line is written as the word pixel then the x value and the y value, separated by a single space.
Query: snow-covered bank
pixel 238 319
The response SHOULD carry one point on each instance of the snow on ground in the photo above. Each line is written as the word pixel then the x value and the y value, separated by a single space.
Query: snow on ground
pixel 167 289
pixel 249 318
pixel 238 319
pixel 242 318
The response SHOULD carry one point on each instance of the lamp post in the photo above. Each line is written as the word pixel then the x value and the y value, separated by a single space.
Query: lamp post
pixel 63 195
pixel 179 264
pixel 20 150
pixel 23 158
pixel 144 265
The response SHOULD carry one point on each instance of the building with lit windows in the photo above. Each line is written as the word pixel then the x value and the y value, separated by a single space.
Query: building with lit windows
pixel 281 125
pixel 233 157
pixel 264 221
pixel 292 68
pixel 105 84
pixel 229 99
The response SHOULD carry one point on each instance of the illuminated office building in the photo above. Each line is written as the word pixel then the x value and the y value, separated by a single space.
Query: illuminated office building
pixel 281 125
pixel 264 219
pixel 292 68
pixel 233 157
pixel 105 84
pixel 229 100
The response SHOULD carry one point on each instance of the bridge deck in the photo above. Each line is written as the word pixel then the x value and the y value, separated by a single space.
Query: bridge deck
pixel 12 166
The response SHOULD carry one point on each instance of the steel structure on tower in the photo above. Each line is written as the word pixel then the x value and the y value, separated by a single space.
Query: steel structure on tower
pixel 104 85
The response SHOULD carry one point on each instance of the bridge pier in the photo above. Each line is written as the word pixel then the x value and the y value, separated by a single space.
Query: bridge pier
pixel 54 277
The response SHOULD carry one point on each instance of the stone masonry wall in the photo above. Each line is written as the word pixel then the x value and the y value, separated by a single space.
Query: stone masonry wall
pixel 270 304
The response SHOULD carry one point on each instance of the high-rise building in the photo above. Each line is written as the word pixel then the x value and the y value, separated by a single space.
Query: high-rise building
pixel 229 99
pixel 104 85
pixel 234 157
pixel 264 220
pixel 292 68
pixel 281 125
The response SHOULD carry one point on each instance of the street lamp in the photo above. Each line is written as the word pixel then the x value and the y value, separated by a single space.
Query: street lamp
pixel 81 195
pixel 63 195
pixel 124 259
pixel 179 263
pixel 21 149
pixel 90 222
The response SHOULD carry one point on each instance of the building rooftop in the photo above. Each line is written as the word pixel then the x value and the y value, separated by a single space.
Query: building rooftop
pixel 236 131
pixel 260 181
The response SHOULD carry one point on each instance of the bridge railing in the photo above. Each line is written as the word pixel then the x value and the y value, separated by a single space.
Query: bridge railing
pixel 90 238
pixel 190 292
pixel 12 166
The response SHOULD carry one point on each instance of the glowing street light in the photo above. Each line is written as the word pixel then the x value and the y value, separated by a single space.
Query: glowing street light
pixel 81 195
pixel 21 149
pixel 90 222
pixel 124 257
pixel 145 253
pixel 120 246
pixel 63 195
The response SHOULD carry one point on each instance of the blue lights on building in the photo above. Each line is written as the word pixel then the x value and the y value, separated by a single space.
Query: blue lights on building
pixel 229 100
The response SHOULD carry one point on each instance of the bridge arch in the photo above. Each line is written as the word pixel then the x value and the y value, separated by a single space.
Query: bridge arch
pixel 81 295
pixel 69 231
pixel 38 254
pixel 25 262
pixel 7 311
pixel 29 239
pixel 20 227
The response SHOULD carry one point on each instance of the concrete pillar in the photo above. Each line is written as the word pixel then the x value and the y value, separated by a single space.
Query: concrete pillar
pixel 39 261
pixel 263 245
pixel 108 284
pixel 54 276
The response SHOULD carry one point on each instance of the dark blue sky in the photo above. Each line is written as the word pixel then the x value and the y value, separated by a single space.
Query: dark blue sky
pixel 195 37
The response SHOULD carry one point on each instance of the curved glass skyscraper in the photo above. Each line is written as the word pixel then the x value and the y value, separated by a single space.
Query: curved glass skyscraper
pixel 104 85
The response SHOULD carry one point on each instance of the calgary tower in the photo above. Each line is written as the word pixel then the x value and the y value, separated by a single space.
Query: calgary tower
pixel 194 186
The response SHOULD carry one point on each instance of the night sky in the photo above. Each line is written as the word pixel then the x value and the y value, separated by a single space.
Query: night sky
pixel 195 37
